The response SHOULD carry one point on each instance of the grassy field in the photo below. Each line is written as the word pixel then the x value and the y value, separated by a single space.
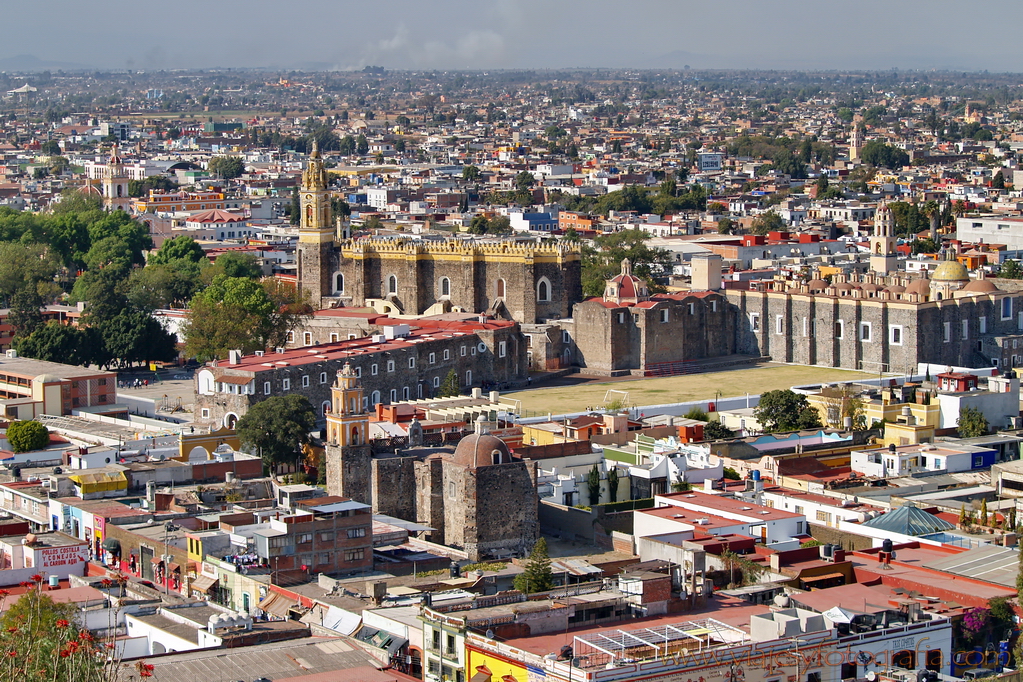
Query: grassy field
pixel 728 384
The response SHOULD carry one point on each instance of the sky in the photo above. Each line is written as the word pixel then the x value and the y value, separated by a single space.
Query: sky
pixel 520 34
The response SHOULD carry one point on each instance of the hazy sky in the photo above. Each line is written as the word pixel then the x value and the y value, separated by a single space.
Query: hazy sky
pixel 482 34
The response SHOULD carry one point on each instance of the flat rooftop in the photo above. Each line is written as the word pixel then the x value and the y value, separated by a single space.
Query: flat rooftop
pixel 31 368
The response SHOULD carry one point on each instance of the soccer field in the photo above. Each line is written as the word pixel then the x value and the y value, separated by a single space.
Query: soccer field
pixel 680 389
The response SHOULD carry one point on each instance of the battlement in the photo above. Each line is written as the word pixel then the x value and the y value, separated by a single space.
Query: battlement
pixel 457 247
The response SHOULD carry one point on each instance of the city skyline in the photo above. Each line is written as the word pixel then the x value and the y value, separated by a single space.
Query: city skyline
pixel 519 34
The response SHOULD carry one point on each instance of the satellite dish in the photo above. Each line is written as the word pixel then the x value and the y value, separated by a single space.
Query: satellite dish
pixel 490 634
pixel 892 554
pixel 871 676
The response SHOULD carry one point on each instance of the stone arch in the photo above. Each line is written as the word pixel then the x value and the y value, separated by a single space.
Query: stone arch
pixel 325 408
pixel 339 283
pixel 355 436
pixel 499 288
pixel 198 453
pixel 543 290
pixel 230 420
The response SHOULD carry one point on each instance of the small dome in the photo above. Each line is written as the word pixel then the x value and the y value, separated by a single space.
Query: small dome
pixel 817 285
pixel 844 286
pixel 919 286
pixel 981 286
pixel 871 287
pixel 480 450
pixel 950 271
pixel 897 289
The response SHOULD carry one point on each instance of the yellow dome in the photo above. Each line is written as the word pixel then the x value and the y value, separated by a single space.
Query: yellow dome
pixel 950 271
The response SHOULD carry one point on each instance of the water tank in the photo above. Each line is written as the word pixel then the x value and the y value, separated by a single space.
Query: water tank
pixel 782 601
pixel 54 582
pixel 756 474
pixel 827 551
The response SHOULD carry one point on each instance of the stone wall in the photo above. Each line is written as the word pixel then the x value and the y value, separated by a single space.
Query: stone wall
pixel 393 478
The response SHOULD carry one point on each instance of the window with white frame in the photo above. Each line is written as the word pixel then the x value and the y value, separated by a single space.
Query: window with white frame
pixel 307 338
pixel 895 334
pixel 947 328
pixel 433 358
pixel 502 349
pixel 436 382
pixel 692 308
pixel 305 381
pixel 621 318
pixel 779 324
pixel 461 351
pixel 566 337
pixel 373 369
pixel 394 395
pixel 664 315
pixel 286 383
pixel 754 321
pixel 358 372
pixel 982 324
pixel 334 338
pixel 865 331
pixel 291 337
pixel 447 354
pixel 323 377
pixel 390 365
pixel 445 286
pixel 839 329
pixel 411 363
pixel 266 388
pixel 405 393
pixel 392 285
pixel 1006 308
pixel 966 329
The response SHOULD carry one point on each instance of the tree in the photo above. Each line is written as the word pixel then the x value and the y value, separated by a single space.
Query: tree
pixel 784 410
pixel 998 181
pixel 767 222
pixel 226 167
pixel 972 423
pixel 538 576
pixel 593 485
pixel 983 512
pixel 56 342
pixel 612 483
pixel 524 181
pixel 239 313
pixel 180 247
pixel 43 640
pixel 233 264
pixel 726 226
pixel 1011 269
pixel 361 145
pixel 731 474
pixel 877 153
pixel 449 386
pixel 277 428
pixel 134 336
pixel 470 173
pixel 603 260
pixel 25 436
pixel 715 430
pixel 25 315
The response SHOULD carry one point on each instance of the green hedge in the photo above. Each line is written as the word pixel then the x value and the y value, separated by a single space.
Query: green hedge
pixel 628 505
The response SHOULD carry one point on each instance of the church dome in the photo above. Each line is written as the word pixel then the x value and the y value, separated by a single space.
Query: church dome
pixel 817 285
pixel 920 286
pixel 480 450
pixel 950 271
pixel 897 289
pixel 981 286
pixel 626 287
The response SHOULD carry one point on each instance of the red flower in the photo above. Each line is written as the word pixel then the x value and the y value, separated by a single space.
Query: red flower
pixel 106 582
pixel 62 623
pixel 12 654
pixel 37 578
pixel 85 636
pixel 4 593
pixel 64 653
pixel 12 629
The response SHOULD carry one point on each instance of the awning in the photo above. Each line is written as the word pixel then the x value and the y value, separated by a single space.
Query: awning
pixel 204 583
pixel 112 545
pixel 157 560
pixel 172 567
pixel 276 604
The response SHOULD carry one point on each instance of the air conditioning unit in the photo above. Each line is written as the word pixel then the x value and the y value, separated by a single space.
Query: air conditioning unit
pixel 259 353
pixel 279 350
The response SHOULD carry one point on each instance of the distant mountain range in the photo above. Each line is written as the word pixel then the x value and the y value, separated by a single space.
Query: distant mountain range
pixel 30 62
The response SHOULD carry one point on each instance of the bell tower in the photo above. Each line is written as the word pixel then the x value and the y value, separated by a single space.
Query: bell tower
pixel 316 231
pixel 884 259
pixel 348 453
pixel 115 183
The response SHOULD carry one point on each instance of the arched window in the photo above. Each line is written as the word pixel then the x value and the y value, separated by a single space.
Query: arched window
pixel 392 285
pixel 468 377
pixel 339 283
pixel 499 289
pixel 325 408
pixel 355 435
pixel 445 286
pixel 543 290
pixel 374 397
pixel 405 393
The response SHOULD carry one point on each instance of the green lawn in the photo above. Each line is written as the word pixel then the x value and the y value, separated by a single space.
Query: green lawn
pixel 728 384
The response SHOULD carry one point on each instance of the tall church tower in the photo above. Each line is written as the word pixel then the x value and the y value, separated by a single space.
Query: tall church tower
pixel 855 144
pixel 884 258
pixel 348 453
pixel 316 231
pixel 115 183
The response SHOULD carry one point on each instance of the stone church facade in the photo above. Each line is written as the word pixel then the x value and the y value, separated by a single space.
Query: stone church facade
pixel 522 281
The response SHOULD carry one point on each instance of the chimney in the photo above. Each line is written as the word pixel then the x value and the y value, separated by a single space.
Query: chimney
pixel 234 357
